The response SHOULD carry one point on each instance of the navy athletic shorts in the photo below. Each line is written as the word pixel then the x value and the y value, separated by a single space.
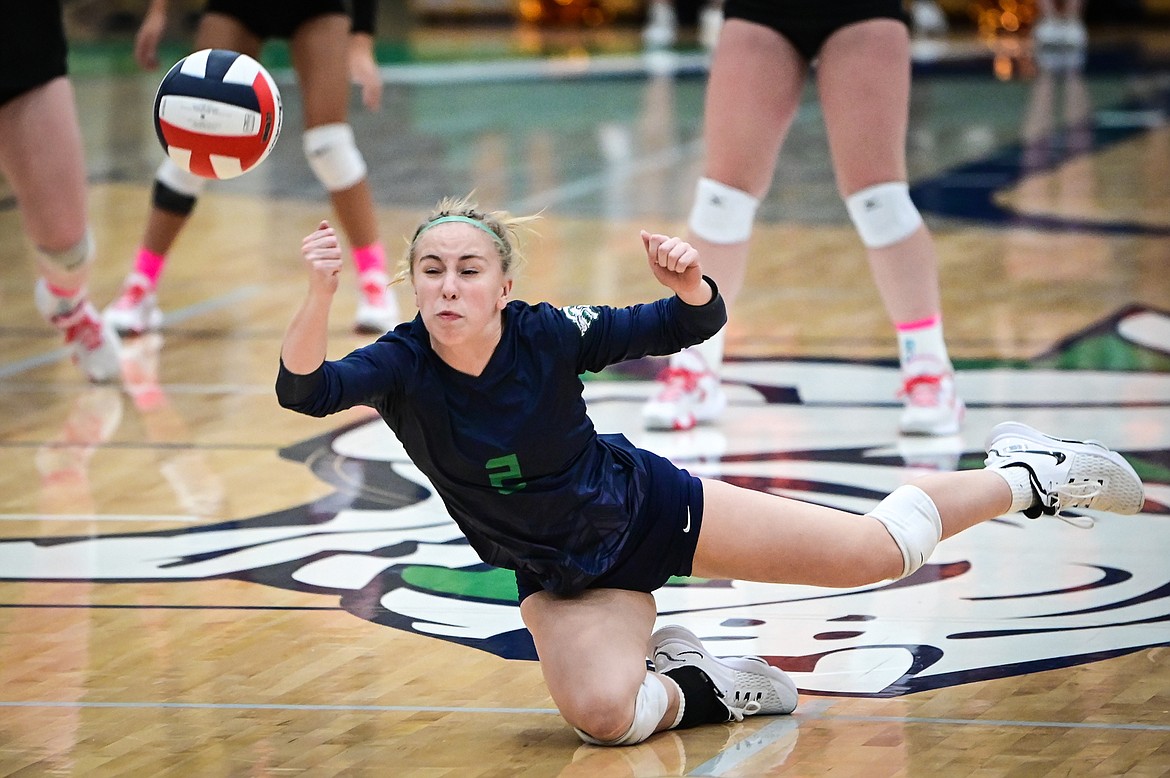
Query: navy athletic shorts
pixel 662 538
pixel 32 47
pixel 266 19
pixel 807 24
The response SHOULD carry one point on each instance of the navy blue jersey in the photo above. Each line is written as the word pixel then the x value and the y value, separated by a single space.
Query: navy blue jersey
pixel 511 452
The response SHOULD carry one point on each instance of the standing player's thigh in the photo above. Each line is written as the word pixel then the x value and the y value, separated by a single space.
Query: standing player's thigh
pixel 753 92
pixel 220 31
pixel 591 646
pixel 42 156
pixel 863 77
pixel 320 54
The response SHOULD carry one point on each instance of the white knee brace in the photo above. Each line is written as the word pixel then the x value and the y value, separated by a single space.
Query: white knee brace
pixel 722 214
pixel 333 156
pixel 73 258
pixel 912 520
pixel 883 214
pixel 649 708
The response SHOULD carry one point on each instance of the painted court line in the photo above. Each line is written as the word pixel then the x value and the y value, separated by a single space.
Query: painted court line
pixel 272 706
pixel 1101 725
pixel 798 717
pixel 94 517
pixel 652 63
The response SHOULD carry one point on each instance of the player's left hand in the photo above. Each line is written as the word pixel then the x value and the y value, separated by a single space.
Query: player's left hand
pixel 149 34
pixel 675 264
pixel 363 70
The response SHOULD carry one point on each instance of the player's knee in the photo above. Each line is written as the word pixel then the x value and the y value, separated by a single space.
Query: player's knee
pixel 175 190
pixel 70 258
pixel 883 214
pixel 601 726
pixel 721 213
pixel 911 518
pixel 333 156
pixel 606 721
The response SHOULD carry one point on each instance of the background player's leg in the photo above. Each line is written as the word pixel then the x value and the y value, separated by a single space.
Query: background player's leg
pixel 175 192
pixel 863 77
pixel 752 96
pixel 42 158
pixel 320 56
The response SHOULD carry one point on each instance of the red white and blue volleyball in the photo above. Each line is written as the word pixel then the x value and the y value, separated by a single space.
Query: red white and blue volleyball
pixel 217 113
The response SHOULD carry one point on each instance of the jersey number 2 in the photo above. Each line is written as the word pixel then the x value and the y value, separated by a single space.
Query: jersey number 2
pixel 507 469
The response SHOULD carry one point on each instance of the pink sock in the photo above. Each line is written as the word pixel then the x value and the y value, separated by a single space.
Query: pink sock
pixel 369 259
pixel 65 294
pixel 149 264
pixel 917 324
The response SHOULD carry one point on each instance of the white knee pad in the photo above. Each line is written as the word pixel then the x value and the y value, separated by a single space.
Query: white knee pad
pixel 912 520
pixel 333 156
pixel 883 214
pixel 73 258
pixel 178 180
pixel 649 708
pixel 722 214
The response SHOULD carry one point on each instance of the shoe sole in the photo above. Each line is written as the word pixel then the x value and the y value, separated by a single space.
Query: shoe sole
pixel 1101 463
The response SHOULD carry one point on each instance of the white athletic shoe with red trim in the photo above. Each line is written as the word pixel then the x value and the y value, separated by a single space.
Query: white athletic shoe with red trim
pixel 747 685
pixel 377 311
pixel 93 344
pixel 931 405
pixel 688 394
pixel 136 310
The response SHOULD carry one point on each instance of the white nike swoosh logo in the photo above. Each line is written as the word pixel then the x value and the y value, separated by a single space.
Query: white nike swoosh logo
pixel 687 528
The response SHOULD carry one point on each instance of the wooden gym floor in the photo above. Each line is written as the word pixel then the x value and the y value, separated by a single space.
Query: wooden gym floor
pixel 195 582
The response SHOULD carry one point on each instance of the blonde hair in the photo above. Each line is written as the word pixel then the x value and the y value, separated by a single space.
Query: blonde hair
pixel 499 224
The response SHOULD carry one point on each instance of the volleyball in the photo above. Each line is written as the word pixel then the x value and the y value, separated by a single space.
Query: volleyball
pixel 217 113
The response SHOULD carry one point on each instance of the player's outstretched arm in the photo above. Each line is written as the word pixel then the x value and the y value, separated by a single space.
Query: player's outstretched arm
pixel 307 337
pixel 675 264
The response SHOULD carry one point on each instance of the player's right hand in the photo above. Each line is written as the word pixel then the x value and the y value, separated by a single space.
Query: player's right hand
pixel 322 253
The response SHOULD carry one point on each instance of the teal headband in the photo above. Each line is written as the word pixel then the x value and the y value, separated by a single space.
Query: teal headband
pixel 465 220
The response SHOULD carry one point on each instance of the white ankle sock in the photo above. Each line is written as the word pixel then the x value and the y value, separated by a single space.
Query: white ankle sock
pixel 921 344
pixel 1023 496
pixel 708 355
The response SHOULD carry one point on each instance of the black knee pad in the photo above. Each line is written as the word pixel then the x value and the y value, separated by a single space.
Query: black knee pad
pixel 167 199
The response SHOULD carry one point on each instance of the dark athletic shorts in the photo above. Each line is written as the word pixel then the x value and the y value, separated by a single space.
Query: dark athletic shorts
pixel 266 19
pixel 32 47
pixel 663 535
pixel 807 24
